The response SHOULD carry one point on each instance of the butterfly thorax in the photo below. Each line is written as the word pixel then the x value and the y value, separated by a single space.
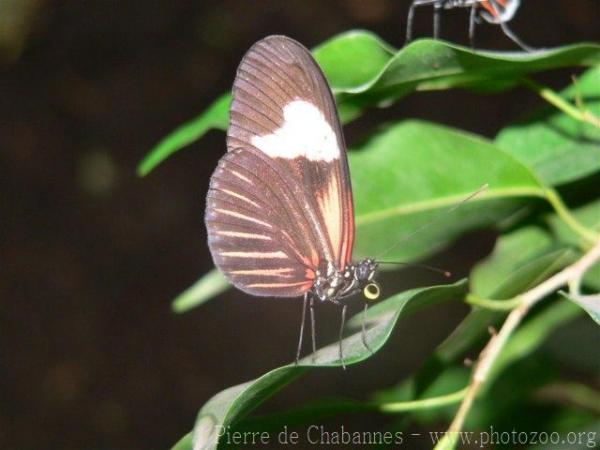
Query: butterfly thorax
pixel 335 285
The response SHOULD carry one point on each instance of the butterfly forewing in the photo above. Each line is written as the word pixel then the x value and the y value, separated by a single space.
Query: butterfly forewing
pixel 282 105
pixel 280 203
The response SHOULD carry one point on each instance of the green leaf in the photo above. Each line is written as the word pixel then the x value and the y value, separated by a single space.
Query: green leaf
pixel 414 172
pixel 507 386
pixel 473 330
pixel 582 335
pixel 432 65
pixel 232 404
pixel 452 380
pixel 556 146
pixel 207 287
pixel 365 52
pixel 511 251
pixel 216 116
pixel 510 367
pixel 589 303
pixel 512 393
pixel 532 334
pixel 589 216
pixel 363 71
pixel 330 407
pixel 520 260
pixel 185 443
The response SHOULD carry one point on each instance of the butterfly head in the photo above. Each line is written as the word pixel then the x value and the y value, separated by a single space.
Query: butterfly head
pixel 335 285
pixel 364 273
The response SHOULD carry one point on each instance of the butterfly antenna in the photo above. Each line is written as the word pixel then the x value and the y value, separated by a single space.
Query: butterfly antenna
pixel 434 220
pixel 444 272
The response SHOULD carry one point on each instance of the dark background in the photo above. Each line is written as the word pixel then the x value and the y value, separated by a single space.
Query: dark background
pixel 92 357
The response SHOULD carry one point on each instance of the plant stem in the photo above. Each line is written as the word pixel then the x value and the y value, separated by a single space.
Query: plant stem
pixel 568 218
pixel 427 403
pixel 556 100
pixel 493 348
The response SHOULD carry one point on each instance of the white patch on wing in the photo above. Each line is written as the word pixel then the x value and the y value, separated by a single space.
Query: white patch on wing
pixel 305 132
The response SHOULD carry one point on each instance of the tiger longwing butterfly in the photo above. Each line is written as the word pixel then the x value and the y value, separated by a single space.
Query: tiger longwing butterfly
pixel 279 212
pixel 497 12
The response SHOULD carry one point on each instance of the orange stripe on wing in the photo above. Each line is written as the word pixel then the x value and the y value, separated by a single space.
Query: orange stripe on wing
pixel 241 234
pixel 348 237
pixel 309 274
pixel 239 196
pixel 242 216
pixel 241 177
pixel 329 201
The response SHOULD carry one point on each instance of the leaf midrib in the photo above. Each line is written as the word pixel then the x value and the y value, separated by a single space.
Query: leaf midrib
pixel 441 202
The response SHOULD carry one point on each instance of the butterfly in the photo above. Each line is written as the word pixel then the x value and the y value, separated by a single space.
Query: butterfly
pixel 279 211
pixel 497 12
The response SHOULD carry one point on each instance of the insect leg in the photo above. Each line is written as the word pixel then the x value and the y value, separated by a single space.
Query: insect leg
pixel 364 329
pixel 437 15
pixel 513 37
pixel 411 16
pixel 342 334
pixel 302 326
pixel 312 326
pixel 508 32
pixel 472 17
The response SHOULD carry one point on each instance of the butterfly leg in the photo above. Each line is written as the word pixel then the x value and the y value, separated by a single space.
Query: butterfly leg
pixel 437 16
pixel 509 34
pixel 472 17
pixel 411 16
pixel 341 348
pixel 513 37
pixel 312 327
pixel 302 327
pixel 364 329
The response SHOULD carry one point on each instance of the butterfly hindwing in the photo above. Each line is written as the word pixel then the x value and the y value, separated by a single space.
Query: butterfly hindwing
pixel 257 231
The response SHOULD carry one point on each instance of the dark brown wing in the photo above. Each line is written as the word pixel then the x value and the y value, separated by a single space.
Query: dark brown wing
pixel 258 232
pixel 283 107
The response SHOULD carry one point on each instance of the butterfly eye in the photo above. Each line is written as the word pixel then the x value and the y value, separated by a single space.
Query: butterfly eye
pixel 371 291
